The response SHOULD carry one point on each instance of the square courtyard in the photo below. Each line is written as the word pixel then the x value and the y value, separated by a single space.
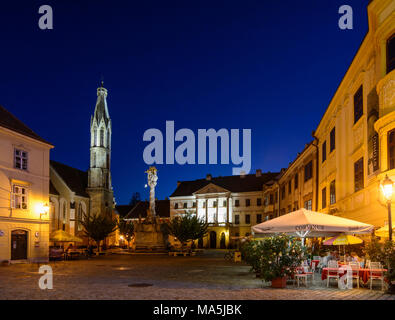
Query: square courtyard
pixel 159 277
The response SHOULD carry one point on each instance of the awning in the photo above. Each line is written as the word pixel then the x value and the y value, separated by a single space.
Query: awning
pixel 305 223
pixel 63 236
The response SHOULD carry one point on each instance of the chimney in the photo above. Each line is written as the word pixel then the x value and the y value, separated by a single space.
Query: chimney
pixel 178 183
pixel 258 172
pixel 208 176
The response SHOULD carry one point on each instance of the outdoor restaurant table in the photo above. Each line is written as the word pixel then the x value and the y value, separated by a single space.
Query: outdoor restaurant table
pixel 364 273
pixel 315 263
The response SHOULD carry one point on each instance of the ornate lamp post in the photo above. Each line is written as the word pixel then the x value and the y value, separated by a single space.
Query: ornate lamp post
pixel 387 188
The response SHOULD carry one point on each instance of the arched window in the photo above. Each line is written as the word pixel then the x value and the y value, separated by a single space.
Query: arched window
pixel 391 53
pixel 95 137
pixel 101 137
pixel 80 216
pixel 64 217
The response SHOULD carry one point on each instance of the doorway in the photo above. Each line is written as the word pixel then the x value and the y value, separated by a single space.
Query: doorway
pixel 18 245
pixel 213 240
pixel 222 241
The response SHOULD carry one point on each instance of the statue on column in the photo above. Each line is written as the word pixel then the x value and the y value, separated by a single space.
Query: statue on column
pixel 152 181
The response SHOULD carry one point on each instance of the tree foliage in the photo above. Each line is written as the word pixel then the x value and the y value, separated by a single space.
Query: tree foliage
pixel 274 257
pixel 98 227
pixel 126 229
pixel 187 227
pixel 135 199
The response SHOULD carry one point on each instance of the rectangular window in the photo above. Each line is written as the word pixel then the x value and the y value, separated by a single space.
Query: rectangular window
pixel 308 204
pixel 237 219
pixel 332 192
pixel 283 193
pixel 185 205
pixel 276 196
pixel 289 209
pixel 237 203
pixel 358 104
pixel 194 204
pixel 289 186
pixel 358 175
pixel 248 219
pixel 324 151
pixel 176 206
pixel 308 171
pixel 296 181
pixel 19 197
pixel 214 204
pixel 323 196
pixel 248 202
pixel 391 149
pixel 271 198
pixel 258 202
pixel 224 203
pixel 332 140
pixel 20 159
pixel 258 218
pixel 391 54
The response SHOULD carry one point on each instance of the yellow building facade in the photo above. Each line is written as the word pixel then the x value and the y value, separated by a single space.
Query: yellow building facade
pixel 356 134
pixel 24 192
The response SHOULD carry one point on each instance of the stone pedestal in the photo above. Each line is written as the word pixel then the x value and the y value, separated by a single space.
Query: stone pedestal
pixel 149 237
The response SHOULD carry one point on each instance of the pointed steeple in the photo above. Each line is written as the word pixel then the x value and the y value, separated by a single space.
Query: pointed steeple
pixel 101 109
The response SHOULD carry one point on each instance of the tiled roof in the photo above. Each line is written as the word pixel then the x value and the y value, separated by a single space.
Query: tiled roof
pixel 162 209
pixel 52 189
pixel 123 209
pixel 76 180
pixel 9 121
pixel 247 183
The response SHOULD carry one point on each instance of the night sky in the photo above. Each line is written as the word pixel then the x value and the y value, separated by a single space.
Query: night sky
pixel 268 66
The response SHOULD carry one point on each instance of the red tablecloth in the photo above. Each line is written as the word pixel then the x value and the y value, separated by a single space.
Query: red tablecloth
pixel 315 263
pixel 364 274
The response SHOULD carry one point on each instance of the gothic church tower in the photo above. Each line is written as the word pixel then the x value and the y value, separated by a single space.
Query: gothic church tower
pixel 99 174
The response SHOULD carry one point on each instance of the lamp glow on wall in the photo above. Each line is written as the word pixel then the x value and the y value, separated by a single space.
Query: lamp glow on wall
pixel 42 209
pixel 387 189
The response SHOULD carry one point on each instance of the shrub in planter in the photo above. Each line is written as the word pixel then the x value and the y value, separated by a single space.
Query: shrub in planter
pixel 274 258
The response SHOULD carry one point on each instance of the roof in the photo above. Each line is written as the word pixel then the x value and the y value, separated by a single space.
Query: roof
pixel 123 209
pixel 247 183
pixel 9 121
pixel 75 179
pixel 52 189
pixel 162 209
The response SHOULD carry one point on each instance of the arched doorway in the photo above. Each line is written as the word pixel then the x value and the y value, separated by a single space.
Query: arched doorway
pixel 18 245
pixel 200 243
pixel 222 241
pixel 213 240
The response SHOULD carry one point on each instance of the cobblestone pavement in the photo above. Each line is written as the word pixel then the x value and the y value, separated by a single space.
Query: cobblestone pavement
pixel 205 277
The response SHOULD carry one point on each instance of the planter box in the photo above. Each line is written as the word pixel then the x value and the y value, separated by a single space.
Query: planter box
pixel 279 282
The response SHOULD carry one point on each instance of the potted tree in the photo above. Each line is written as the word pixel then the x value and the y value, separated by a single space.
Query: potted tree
pixel 275 258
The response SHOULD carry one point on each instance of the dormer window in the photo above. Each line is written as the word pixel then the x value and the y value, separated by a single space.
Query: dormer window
pixel 20 159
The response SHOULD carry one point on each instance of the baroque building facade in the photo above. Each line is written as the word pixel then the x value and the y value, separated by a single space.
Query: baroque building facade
pixel 24 191
pixel 230 205
pixel 357 132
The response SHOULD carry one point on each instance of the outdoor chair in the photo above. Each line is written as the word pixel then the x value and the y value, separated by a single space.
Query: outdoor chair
pixel 376 273
pixel 334 274
pixel 303 273
pixel 355 271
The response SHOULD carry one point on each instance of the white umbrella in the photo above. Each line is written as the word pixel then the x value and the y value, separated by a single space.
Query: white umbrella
pixel 305 223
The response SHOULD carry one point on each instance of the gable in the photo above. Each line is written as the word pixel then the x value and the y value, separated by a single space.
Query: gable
pixel 211 188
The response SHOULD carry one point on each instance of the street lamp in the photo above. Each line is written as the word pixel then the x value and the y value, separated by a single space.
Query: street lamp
pixel 387 188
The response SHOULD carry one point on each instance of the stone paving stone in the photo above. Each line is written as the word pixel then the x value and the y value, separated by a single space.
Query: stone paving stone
pixel 207 277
